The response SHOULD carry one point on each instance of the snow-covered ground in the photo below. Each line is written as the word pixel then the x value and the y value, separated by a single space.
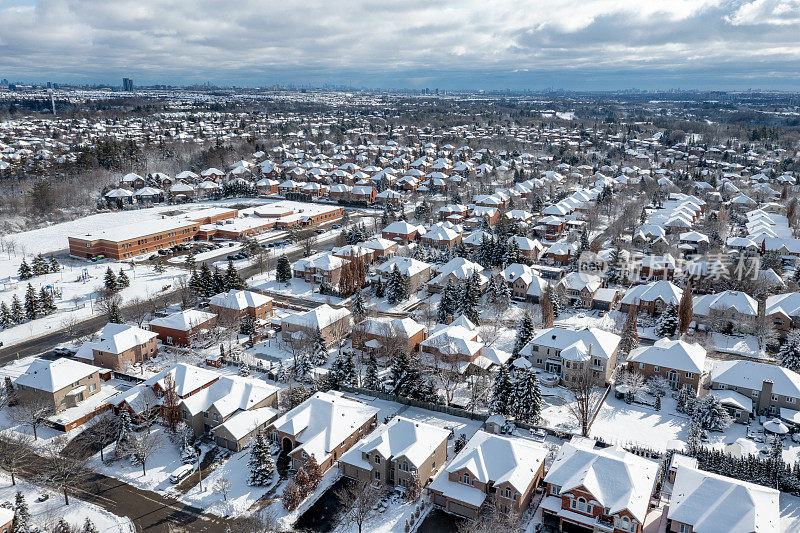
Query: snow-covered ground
pixel 738 345
pixel 296 287
pixel 46 514
pixel 79 284
pixel 160 465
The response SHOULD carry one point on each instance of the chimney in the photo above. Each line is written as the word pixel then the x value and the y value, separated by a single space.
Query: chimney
pixel 765 397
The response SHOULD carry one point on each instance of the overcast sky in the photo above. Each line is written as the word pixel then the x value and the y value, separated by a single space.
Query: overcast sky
pixel 469 44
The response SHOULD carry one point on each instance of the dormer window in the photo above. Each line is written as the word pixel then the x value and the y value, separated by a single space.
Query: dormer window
pixel 377 459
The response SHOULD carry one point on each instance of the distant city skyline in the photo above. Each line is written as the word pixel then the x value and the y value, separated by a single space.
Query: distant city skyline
pixel 561 44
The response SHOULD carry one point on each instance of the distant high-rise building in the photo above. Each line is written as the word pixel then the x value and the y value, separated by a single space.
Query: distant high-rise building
pixel 127 85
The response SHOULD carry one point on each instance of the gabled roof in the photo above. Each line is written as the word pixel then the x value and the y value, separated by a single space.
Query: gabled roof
pixel 185 320
pixel 787 304
pixel 602 343
pixel 230 394
pixel 740 301
pixel 318 318
pixel 615 478
pixel 712 502
pixel 666 291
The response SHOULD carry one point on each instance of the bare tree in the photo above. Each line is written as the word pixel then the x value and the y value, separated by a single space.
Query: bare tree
pixel 30 410
pixel 142 446
pixel 103 430
pixel 222 486
pixel 138 310
pixel 64 471
pixel 170 413
pixel 582 386
pixel 445 369
pixel 359 503
pixel 16 450
pixel 491 522
pixel 479 387
pixel 69 325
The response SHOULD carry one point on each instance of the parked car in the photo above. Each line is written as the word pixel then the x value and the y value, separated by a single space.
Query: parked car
pixel 319 231
pixel 181 473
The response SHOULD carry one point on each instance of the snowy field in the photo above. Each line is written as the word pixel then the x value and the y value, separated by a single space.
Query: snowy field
pixel 46 514
pixel 79 284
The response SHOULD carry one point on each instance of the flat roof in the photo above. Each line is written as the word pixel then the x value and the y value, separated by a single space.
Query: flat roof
pixel 136 230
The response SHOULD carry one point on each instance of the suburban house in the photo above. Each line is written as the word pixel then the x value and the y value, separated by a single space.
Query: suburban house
pixel 657 267
pixel 238 431
pixel 353 252
pixel 651 298
pixel 495 472
pixel 62 383
pixel 679 362
pixel 332 323
pixel 145 396
pixel 237 303
pixel 703 501
pixel 594 489
pixel 224 398
pixel 401 452
pixel 324 426
pixel 380 247
pixel 580 288
pixel 456 343
pixel 563 352
pixel 184 327
pixel 402 232
pixel 120 345
pixel 417 272
pixel 560 253
pixel 734 310
pixel 784 311
pixel 377 335
pixel 321 267
pixel 772 389
pixel 455 271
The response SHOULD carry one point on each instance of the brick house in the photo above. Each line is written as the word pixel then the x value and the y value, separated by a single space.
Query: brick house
pixel 402 232
pixel 184 327
pixel 374 334
pixel 679 362
pixel 238 303
pixel 331 322
pixel 594 489
pixel 321 267
pixel 121 345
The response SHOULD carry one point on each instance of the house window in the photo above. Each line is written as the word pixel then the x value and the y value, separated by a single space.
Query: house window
pixel 685 528
pixel 377 475
pixel 690 375
pixel 555 490
pixel 184 415
pixel 377 459
pixel 466 479
pixel 774 397
pixel 755 394
pixel 405 466
pixel 789 399
pixel 508 493
pixel 216 417
pixel 656 368
pixel 641 366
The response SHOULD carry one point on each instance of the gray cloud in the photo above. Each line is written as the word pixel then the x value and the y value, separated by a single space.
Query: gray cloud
pixel 528 43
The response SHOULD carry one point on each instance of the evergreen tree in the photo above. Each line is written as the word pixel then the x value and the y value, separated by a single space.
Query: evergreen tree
pixel 114 314
pixel 262 467
pixel 232 278
pixel 190 263
pixel 359 307
pixel 39 265
pixel 46 303
pixel 789 354
pixel 447 304
pixel 89 527
pixel 111 281
pixel 685 401
pixel 667 322
pixel 546 306
pixel 371 379
pixel 694 440
pixel 158 267
pixel 629 340
pixel 5 315
pixel 123 281
pixel 349 375
pixel 206 287
pixel 320 354
pixel 54 266
pixel 62 526
pixel 469 305
pixel 404 377
pixel 302 366
pixel 397 287
pixel 17 314
pixel 195 285
pixel 244 369
pixel 283 270
pixel 22 515
pixel 711 414
pixel 218 282
pixel 524 333
pixel 25 271
pixel 380 289
pixel 32 307
pixel 527 396
pixel 502 393
pixel 247 326
pixel 685 310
